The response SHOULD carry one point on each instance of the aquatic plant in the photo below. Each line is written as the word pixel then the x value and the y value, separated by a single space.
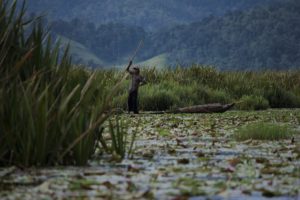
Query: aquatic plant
pixel 252 102
pixel 120 144
pixel 263 131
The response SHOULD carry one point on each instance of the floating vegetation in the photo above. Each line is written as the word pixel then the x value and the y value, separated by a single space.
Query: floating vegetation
pixel 191 162
pixel 264 131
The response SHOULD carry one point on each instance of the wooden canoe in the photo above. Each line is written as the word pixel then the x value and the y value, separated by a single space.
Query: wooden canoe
pixel 206 108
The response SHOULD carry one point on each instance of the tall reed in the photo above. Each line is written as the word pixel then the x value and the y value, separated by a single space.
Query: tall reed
pixel 48 114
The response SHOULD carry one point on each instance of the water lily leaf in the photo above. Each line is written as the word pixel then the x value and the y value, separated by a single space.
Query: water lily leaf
pixel 262 160
pixel 183 161
pixel 200 154
pixel 234 161
pixel 269 193
pixel 108 184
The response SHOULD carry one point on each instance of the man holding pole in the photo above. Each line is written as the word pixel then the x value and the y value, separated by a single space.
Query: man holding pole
pixel 137 80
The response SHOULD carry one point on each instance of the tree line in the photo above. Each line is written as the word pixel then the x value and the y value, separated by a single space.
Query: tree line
pixel 260 38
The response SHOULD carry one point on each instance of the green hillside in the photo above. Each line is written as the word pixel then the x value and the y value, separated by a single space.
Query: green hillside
pixel 159 61
pixel 261 38
pixel 81 54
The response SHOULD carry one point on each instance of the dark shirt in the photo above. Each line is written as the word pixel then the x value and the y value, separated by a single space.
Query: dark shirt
pixel 137 80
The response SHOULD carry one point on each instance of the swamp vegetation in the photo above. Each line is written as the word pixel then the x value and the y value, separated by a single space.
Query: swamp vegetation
pixel 49 113
pixel 56 118
pixel 178 157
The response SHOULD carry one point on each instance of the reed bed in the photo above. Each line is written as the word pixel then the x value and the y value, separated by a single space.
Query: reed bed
pixel 50 112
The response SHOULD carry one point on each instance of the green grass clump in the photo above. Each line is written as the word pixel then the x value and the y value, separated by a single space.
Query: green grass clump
pixel 263 131
pixel 119 137
pixel 282 98
pixel 121 144
pixel 157 97
pixel 252 102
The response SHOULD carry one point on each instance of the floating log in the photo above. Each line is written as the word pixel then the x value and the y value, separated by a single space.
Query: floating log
pixel 205 108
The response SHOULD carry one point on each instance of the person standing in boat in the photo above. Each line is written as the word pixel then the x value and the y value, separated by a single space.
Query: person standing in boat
pixel 136 81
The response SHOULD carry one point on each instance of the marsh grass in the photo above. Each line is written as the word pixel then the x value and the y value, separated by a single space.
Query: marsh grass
pixel 197 84
pixel 263 131
pixel 118 133
pixel 252 102
pixel 121 141
pixel 50 112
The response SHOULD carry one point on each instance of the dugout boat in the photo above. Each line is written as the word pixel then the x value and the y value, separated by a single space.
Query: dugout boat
pixel 205 108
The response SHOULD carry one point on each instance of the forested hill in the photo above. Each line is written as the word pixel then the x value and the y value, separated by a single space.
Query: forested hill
pixel 149 14
pixel 263 37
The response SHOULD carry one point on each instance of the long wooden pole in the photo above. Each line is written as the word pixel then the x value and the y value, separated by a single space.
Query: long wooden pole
pixel 137 49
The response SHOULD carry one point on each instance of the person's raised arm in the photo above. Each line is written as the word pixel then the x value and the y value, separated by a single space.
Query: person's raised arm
pixel 130 63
